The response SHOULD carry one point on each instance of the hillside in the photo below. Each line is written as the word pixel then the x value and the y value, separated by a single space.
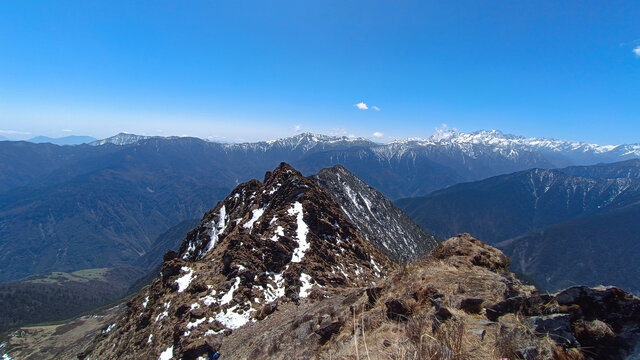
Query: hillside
pixel 590 250
pixel 60 296
pixel 560 227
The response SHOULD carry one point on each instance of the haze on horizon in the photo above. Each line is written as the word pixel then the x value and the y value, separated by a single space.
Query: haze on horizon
pixel 249 71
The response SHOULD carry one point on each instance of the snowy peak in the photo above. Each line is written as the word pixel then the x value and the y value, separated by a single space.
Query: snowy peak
pixel 279 241
pixel 376 218
pixel 303 143
pixel 121 139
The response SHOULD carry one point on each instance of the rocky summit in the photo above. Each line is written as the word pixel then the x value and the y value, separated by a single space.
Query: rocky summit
pixel 268 243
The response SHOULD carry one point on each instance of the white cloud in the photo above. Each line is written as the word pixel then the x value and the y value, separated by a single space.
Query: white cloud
pixel 67 130
pixel 378 134
pixel 297 128
pixel 361 106
pixel 637 51
pixel 375 108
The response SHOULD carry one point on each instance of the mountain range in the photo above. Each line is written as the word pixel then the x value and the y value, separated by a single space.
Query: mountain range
pixel 561 227
pixel 124 200
pixel 66 140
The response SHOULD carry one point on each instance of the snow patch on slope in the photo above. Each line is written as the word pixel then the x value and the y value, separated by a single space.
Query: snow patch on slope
pixel 301 232
pixel 256 214
pixel 184 281
pixel 167 354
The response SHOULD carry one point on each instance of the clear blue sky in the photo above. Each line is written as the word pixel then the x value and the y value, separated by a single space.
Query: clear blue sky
pixel 248 70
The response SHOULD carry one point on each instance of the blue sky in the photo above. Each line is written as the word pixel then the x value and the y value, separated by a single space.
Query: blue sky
pixel 249 70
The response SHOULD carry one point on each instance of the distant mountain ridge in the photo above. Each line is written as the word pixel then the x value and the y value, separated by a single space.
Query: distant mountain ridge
pixel 129 189
pixel 66 140
pixel 561 227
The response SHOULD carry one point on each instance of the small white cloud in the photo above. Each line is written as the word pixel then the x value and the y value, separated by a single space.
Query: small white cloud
pixel 67 130
pixel 637 51
pixel 375 108
pixel 297 128
pixel 378 134
pixel 361 106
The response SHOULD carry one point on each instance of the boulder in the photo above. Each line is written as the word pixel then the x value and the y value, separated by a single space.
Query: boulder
pixel 472 305
pixel 558 326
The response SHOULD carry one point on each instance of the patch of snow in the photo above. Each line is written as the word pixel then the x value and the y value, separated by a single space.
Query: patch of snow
pixel 306 285
pixel 109 328
pixel 167 354
pixel 145 302
pixel 150 338
pixel 301 232
pixel 272 293
pixel 256 214
pixel 195 323
pixel 162 315
pixel 218 229
pixel 375 266
pixel 279 233
pixel 209 299
pixel 226 298
pixel 232 319
pixel 184 281
pixel 213 332
pixel 275 188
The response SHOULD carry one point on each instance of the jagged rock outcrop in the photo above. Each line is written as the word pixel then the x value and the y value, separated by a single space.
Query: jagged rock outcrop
pixel 268 244
pixel 375 217
pixel 604 321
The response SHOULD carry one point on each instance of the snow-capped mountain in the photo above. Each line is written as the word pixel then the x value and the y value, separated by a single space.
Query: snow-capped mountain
pixel 303 142
pixel 445 158
pixel 511 146
pixel 472 144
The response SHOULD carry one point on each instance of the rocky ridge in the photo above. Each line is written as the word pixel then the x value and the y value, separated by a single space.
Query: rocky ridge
pixel 376 217
pixel 459 302
pixel 268 244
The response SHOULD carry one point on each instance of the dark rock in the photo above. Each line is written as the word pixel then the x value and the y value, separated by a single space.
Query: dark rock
pixel 472 305
pixel 605 319
pixel 193 351
pixel 327 332
pixel 386 343
pixel 373 294
pixel 181 310
pixel 397 310
pixel 535 305
pixel 169 255
pixel 430 294
pixel 443 314
pixel 558 326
